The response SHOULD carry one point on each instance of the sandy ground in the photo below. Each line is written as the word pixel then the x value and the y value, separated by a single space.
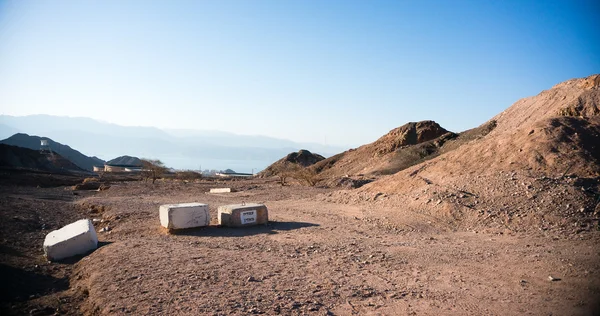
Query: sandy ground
pixel 314 257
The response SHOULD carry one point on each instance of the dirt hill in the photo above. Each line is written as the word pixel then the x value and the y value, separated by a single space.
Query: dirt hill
pixel 377 156
pixel 33 142
pixel 539 167
pixel 302 158
pixel 14 157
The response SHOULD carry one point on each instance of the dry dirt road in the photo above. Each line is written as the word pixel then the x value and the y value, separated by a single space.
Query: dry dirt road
pixel 314 258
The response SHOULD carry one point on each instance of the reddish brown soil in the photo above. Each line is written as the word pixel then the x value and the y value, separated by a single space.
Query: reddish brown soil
pixel 317 256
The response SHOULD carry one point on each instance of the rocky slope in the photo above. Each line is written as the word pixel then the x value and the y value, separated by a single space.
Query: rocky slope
pixel 376 157
pixel 539 167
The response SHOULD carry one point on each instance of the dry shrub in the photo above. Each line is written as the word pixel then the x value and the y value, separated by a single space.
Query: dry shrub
pixel 285 170
pixel 152 168
pixel 307 176
pixel 87 180
pixel 188 175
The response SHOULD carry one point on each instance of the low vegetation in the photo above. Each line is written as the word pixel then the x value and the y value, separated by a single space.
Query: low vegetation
pixel 152 169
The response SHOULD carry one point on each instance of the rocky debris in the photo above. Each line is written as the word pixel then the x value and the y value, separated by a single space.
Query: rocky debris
pixel 409 134
pixel 352 183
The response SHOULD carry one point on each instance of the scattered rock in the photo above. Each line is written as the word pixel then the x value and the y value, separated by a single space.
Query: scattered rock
pixel 553 279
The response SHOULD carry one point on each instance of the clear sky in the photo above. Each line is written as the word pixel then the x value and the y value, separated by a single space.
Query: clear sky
pixel 335 72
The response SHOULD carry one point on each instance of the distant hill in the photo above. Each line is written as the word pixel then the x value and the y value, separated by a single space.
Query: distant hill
pixel 302 158
pixel 125 161
pixel 24 158
pixel 33 142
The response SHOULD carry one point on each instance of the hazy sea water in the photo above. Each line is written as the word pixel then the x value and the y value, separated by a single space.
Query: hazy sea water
pixel 243 166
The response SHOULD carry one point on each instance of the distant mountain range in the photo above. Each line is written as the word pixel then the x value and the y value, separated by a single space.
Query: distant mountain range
pixel 177 148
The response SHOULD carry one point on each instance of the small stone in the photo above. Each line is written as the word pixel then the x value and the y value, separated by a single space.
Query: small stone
pixel 251 279
pixel 553 279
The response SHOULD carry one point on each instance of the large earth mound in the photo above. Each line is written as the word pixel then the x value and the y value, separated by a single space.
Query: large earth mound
pixel 539 165
pixel 302 158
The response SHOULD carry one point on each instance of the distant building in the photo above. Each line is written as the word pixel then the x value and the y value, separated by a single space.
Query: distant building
pixel 123 164
pixel 121 168
pixel 231 173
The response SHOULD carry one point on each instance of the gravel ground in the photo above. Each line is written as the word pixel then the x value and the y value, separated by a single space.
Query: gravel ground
pixel 319 255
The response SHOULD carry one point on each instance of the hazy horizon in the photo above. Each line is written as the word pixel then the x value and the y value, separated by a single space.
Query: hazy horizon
pixel 330 72
pixel 179 149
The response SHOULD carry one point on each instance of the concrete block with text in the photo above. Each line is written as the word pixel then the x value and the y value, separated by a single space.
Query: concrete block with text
pixel 239 215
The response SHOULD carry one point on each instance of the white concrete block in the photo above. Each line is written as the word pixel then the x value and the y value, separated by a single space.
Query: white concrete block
pixel 184 215
pixel 220 190
pixel 74 239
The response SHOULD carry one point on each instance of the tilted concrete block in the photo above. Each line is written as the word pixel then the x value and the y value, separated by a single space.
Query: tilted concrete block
pixel 238 215
pixel 221 190
pixel 184 215
pixel 74 239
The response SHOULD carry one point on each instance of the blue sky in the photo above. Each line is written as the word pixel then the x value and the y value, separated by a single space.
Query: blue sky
pixel 335 72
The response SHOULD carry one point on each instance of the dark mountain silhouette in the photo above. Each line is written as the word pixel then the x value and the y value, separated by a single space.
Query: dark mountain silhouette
pixel 33 142
pixel 15 157
pixel 125 161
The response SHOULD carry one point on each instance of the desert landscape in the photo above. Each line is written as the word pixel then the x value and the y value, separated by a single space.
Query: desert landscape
pixel 502 219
